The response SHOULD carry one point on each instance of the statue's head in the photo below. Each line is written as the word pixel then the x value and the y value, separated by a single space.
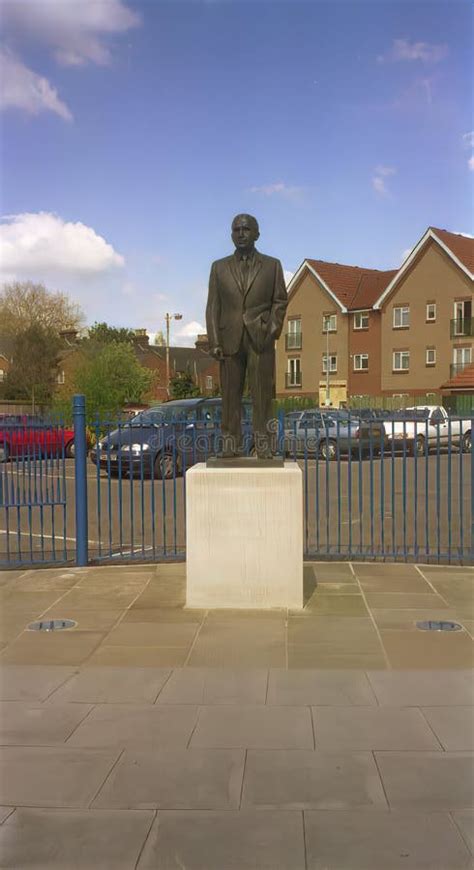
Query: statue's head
pixel 245 232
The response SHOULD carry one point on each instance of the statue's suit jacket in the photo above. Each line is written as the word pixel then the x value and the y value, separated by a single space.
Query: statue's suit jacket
pixel 260 306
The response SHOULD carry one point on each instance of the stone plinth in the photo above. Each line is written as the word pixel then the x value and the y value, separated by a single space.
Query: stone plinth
pixel 244 537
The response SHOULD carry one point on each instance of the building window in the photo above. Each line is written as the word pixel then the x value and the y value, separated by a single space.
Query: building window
pixel 430 356
pixel 332 362
pixel 329 322
pixel 430 312
pixel 3 375
pixel 293 375
pixel 401 360
pixel 361 320
pixel 60 378
pixel 401 317
pixel 361 362
pixel 209 383
pixel 293 337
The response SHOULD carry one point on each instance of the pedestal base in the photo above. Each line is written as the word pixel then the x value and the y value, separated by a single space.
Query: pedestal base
pixel 244 537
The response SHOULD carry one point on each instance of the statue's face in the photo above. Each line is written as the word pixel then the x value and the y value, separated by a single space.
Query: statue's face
pixel 244 233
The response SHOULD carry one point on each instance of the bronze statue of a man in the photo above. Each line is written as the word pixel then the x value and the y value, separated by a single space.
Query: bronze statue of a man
pixel 245 311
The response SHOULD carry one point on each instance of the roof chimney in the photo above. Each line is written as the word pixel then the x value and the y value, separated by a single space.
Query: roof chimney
pixel 141 337
pixel 202 342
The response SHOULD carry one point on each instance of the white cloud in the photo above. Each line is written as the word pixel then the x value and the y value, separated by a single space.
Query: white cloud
pixel 406 253
pixel 22 88
pixel 287 276
pixel 381 173
pixel 187 334
pixel 279 188
pixel 470 163
pixel 405 50
pixel 468 139
pixel 43 244
pixel 75 30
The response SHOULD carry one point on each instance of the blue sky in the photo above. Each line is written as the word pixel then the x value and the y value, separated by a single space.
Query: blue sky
pixel 132 133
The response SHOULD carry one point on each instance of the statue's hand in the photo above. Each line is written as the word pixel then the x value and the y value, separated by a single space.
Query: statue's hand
pixel 217 353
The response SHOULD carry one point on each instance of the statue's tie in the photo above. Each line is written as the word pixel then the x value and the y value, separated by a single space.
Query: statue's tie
pixel 244 267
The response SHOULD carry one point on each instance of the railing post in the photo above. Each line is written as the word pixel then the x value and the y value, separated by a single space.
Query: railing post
pixel 80 463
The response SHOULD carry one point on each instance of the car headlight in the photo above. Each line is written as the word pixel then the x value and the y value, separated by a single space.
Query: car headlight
pixel 135 448
pixel 100 445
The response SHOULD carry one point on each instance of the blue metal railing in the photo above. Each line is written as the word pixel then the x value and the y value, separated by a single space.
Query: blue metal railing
pixel 397 487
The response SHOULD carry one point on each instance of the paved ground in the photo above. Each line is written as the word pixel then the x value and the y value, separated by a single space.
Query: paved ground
pixel 337 738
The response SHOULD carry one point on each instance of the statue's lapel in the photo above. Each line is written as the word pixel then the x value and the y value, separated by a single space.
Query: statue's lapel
pixel 254 270
pixel 234 268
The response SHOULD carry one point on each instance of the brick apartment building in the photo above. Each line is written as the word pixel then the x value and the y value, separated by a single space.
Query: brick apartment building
pixel 365 332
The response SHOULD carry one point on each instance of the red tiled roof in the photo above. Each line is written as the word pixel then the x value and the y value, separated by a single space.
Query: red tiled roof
pixel 461 246
pixel 464 380
pixel 354 286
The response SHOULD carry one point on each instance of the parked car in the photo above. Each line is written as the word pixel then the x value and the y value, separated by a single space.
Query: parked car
pixel 27 436
pixel 418 429
pixel 316 433
pixel 166 439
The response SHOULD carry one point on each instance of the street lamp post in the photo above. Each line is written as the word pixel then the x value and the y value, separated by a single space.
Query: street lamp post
pixel 169 318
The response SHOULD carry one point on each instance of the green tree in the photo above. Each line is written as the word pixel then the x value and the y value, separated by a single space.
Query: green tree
pixel 183 387
pixel 33 372
pixel 102 333
pixel 160 340
pixel 26 304
pixel 110 378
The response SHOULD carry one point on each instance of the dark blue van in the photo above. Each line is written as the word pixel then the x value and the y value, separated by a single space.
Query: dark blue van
pixel 165 440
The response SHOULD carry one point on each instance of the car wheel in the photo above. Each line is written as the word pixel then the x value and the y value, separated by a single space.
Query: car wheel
pixel 167 465
pixel 69 450
pixel 418 446
pixel 467 442
pixel 328 450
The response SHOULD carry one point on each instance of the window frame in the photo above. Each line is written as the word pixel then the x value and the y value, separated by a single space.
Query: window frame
pixel 332 356
pixel 361 315
pixel 400 369
pixel 361 368
pixel 429 319
pixel 404 309
pixel 430 362
pixel 329 328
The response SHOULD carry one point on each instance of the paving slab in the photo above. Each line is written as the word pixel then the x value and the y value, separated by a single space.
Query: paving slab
pixel 147 727
pixel 349 729
pixel 428 780
pixel 12 601
pixel 298 780
pixel 24 724
pixel 215 686
pixel 337 605
pixel 51 648
pixel 74 839
pixel 149 634
pixel 394 584
pixel 52 776
pixel 140 656
pixel 46 581
pixel 387 841
pixel 405 600
pixel 175 779
pixel 31 682
pixel 101 598
pixel 5 812
pixel 464 820
pixel 225 841
pixel 454 726
pixel 109 685
pixel 163 614
pixel 333 688
pixel 250 652
pixel 314 656
pixel 418 688
pixel 254 726
pixel 428 649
